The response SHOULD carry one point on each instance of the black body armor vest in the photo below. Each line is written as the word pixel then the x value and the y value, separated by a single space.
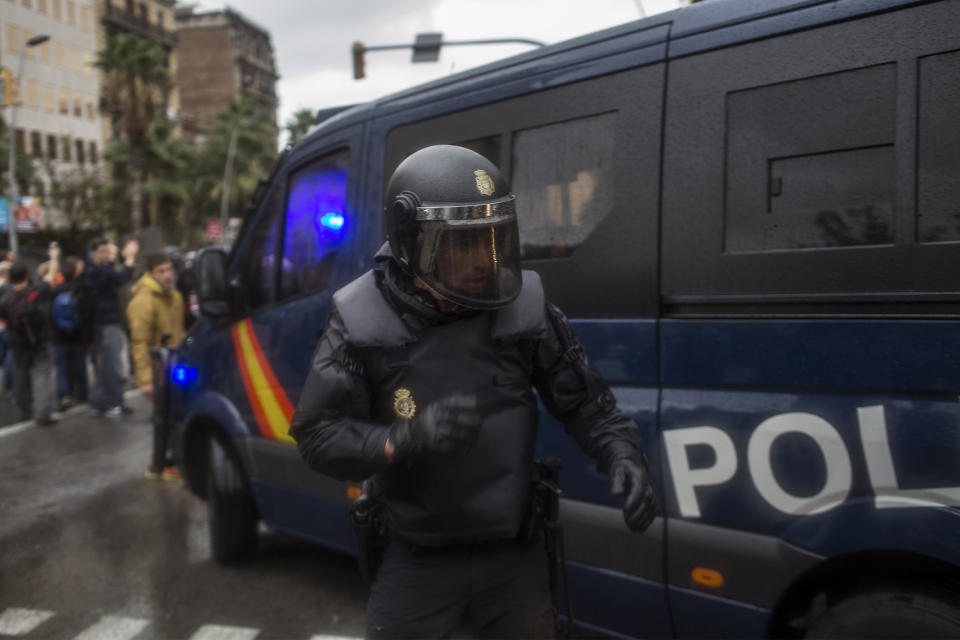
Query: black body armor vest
pixel 483 495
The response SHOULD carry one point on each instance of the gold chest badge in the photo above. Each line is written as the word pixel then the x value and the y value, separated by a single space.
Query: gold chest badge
pixel 484 182
pixel 403 404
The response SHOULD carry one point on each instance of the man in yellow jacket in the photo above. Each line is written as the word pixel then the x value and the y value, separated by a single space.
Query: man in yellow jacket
pixel 155 311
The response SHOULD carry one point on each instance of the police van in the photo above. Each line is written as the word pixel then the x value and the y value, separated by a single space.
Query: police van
pixel 751 212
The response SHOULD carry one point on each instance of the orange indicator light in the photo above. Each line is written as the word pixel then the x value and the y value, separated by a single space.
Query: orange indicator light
pixel 707 577
pixel 354 492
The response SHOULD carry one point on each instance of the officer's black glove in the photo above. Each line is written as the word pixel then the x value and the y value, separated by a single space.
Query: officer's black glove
pixel 631 476
pixel 448 427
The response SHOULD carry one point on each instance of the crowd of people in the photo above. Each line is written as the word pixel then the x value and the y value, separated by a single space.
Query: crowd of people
pixel 69 318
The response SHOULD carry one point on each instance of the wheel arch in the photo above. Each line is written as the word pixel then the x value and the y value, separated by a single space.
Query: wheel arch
pixel 842 576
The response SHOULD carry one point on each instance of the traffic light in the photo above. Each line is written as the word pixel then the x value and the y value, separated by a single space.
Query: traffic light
pixel 11 88
pixel 358 51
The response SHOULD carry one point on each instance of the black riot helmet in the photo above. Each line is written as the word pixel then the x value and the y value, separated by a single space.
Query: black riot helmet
pixel 451 222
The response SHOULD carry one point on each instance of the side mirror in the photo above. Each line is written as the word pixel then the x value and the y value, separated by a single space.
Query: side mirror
pixel 212 290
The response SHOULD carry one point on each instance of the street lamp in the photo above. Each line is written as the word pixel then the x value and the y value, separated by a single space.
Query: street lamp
pixel 227 175
pixel 12 164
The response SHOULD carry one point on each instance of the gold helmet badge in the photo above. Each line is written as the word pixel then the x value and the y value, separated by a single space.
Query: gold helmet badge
pixel 403 404
pixel 484 182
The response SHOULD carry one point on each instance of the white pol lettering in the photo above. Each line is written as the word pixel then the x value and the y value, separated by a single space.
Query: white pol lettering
pixel 883 478
pixel 839 475
pixel 686 479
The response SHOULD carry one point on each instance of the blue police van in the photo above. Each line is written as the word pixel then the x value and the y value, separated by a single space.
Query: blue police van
pixel 751 212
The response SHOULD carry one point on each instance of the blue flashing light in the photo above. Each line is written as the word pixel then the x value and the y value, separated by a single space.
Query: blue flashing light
pixel 332 221
pixel 183 374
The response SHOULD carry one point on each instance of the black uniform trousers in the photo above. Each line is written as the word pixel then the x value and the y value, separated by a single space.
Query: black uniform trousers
pixel 423 592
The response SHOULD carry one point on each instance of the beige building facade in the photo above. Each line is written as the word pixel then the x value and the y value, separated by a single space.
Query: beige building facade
pixel 58 120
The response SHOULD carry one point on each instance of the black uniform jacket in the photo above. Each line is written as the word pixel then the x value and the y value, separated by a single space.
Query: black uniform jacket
pixel 376 362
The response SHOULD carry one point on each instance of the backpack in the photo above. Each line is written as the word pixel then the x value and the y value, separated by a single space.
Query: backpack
pixel 64 312
pixel 26 317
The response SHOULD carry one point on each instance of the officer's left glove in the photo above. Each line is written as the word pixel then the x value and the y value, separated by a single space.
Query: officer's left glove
pixel 630 475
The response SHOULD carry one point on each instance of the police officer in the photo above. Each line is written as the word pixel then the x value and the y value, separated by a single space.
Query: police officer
pixel 424 378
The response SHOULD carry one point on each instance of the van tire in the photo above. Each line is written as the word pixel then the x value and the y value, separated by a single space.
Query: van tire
pixel 232 512
pixel 891 613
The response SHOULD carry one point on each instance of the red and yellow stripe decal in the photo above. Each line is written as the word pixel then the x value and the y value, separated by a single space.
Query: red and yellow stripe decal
pixel 270 404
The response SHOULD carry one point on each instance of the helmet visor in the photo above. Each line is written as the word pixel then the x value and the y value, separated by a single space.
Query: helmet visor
pixel 474 261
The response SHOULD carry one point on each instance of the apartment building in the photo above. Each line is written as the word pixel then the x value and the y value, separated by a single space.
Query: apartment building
pixel 223 55
pixel 58 120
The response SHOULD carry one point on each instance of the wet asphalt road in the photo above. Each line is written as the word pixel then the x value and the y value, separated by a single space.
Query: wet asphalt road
pixel 101 552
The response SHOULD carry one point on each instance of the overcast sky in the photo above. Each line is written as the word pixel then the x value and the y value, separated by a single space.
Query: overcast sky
pixel 312 38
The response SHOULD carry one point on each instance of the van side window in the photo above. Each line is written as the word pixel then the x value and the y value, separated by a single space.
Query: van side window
pixel 258 269
pixel 316 224
pixel 563 178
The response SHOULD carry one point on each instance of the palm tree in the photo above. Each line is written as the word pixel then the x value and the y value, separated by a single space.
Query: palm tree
pixel 255 152
pixel 136 86
pixel 299 124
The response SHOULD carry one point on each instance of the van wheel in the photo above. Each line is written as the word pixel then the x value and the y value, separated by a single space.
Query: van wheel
pixel 232 511
pixel 891 613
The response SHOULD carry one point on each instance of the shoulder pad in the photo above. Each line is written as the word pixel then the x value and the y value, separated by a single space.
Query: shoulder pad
pixel 525 316
pixel 368 319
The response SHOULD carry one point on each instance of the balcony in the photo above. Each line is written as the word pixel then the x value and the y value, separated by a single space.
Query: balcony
pixel 120 19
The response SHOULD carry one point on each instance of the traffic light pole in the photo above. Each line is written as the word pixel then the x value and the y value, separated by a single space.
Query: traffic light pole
pixel 359 49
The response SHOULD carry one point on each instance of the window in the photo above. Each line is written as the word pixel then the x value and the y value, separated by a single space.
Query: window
pixel 45 51
pixel 30 52
pixel 814 184
pixel 564 175
pixel 13 38
pixel 71 12
pixel 811 163
pixel 65 147
pixel 91 112
pixel 316 224
pixel 20 139
pixel 48 102
pixel 58 56
pixel 64 102
pixel 51 147
pixel 74 58
pixel 25 3
pixel 77 107
pixel 57 15
pixel 85 18
pixel 33 94
pixel 80 153
pixel 561 144
pixel 93 153
pixel 42 6
pixel 36 144
pixel 938 149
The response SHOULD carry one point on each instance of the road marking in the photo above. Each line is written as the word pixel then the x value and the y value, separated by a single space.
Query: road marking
pixel 113 628
pixel 18 622
pixel 334 638
pixel 26 425
pixel 221 632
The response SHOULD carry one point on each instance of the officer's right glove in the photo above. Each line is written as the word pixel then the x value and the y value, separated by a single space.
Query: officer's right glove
pixel 448 427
